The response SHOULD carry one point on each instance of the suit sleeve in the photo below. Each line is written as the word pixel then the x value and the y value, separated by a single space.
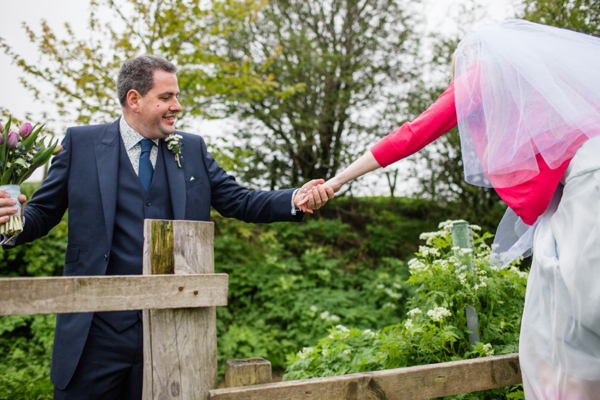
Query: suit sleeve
pixel 49 203
pixel 411 137
pixel 231 199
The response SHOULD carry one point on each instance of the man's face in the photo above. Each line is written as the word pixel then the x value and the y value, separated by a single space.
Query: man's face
pixel 159 107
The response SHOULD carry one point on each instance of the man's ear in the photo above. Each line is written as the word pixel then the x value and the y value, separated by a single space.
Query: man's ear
pixel 133 100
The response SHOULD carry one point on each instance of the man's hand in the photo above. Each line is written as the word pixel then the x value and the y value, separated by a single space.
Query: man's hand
pixel 7 206
pixel 313 196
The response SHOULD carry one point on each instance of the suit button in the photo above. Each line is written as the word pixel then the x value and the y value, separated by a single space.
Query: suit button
pixel 148 203
pixel 106 257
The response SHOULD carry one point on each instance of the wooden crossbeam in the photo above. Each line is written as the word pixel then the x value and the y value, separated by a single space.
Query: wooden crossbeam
pixel 422 382
pixel 50 295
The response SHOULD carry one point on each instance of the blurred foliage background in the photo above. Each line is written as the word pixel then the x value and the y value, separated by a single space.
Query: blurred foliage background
pixel 310 85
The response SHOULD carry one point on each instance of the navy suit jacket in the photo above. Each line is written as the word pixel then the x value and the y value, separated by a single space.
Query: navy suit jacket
pixel 83 178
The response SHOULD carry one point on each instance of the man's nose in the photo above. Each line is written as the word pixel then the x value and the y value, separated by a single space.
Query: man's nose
pixel 176 106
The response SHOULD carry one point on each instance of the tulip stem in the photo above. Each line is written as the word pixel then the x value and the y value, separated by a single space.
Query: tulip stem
pixel 14 226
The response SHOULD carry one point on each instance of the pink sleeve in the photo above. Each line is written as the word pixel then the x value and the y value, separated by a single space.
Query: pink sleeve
pixel 531 198
pixel 411 137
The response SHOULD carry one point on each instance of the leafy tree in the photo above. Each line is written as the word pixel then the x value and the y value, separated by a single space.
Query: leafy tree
pixel 578 15
pixel 81 71
pixel 346 54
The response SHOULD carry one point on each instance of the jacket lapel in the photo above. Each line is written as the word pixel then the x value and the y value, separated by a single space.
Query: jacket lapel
pixel 107 149
pixel 176 180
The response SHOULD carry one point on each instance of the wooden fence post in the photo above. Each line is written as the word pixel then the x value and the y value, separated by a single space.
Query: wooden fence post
pixel 463 239
pixel 247 371
pixel 180 345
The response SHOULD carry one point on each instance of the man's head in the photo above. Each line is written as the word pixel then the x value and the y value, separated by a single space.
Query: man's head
pixel 147 89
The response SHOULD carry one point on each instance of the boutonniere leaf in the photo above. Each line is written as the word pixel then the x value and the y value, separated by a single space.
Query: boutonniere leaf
pixel 174 144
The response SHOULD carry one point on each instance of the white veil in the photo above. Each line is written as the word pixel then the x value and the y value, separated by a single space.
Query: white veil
pixel 521 89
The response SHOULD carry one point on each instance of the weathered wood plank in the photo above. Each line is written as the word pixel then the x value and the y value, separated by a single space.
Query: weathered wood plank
pixel 48 295
pixel 422 382
pixel 180 346
pixel 147 380
pixel 163 256
pixel 247 371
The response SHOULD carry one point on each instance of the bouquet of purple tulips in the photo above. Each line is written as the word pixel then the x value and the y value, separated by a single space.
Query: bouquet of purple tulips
pixel 21 153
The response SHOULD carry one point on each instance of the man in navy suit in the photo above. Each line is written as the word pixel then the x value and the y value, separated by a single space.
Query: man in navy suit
pixel 111 177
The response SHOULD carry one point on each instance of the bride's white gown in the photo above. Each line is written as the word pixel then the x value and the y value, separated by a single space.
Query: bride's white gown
pixel 559 347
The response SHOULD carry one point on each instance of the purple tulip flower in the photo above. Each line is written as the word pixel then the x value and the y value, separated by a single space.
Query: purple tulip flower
pixel 1 129
pixel 25 129
pixel 13 139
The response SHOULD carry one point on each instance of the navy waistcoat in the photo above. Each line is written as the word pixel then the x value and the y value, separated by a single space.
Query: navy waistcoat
pixel 133 206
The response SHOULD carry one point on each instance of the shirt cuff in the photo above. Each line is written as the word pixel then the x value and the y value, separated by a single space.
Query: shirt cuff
pixel 294 209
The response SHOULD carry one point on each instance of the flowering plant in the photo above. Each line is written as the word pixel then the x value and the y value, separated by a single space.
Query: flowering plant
pixel 435 327
pixel 20 155
pixel 174 144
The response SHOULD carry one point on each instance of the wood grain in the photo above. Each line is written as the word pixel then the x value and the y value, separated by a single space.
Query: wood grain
pixel 422 382
pixel 48 295
pixel 163 256
pixel 180 346
pixel 247 371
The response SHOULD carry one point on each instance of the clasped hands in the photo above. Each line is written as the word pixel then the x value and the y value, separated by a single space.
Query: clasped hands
pixel 313 195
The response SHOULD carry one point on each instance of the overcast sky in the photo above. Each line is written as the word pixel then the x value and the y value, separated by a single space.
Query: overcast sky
pixel 441 15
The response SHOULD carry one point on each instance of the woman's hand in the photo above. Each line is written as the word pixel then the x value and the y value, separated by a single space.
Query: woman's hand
pixel 334 184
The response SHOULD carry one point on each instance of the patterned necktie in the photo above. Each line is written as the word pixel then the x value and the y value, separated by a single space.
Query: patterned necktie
pixel 146 170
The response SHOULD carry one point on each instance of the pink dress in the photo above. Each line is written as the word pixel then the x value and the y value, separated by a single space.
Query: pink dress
pixel 528 200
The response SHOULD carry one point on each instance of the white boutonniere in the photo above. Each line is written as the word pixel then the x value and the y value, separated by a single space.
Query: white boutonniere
pixel 174 144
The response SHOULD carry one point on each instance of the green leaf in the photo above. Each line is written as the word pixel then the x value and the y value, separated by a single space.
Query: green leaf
pixel 21 162
pixel 4 147
pixel 6 130
pixel 6 175
pixel 40 159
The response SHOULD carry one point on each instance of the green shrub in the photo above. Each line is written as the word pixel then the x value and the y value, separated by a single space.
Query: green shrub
pixel 26 349
pixel 289 283
pixel 435 329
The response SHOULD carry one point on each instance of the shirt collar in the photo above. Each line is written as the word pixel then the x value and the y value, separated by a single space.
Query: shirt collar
pixel 129 135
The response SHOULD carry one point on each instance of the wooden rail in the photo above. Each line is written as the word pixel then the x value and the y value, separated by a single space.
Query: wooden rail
pixel 422 382
pixel 110 293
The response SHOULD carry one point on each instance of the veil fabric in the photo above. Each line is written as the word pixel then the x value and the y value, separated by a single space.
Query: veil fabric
pixel 522 90
pixel 535 89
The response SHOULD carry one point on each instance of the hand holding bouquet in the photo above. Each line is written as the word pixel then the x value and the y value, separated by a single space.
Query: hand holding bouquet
pixel 20 155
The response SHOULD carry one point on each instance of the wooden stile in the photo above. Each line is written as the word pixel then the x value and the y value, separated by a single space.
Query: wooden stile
pixel 180 346
pixel 422 382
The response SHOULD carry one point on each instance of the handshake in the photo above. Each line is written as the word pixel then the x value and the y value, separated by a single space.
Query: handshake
pixel 314 195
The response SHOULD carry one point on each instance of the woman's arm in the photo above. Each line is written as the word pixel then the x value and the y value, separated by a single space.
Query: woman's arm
pixel 411 137
pixel 366 163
